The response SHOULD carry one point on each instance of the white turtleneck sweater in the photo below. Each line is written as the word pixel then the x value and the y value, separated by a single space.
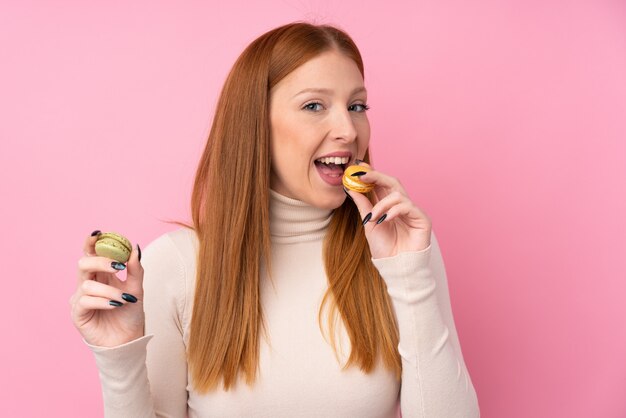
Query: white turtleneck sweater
pixel 299 375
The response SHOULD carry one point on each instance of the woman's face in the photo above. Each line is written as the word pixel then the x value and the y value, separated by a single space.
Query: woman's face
pixel 317 112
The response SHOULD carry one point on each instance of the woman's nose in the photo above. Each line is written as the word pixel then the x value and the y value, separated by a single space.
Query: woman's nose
pixel 343 127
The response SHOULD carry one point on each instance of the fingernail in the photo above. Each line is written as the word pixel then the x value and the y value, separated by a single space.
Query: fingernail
pixel 347 194
pixel 358 174
pixel 96 232
pixel 117 265
pixel 382 218
pixel 139 250
pixel 367 218
pixel 115 303
pixel 358 162
pixel 129 298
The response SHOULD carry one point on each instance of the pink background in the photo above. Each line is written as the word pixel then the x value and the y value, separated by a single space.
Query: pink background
pixel 505 120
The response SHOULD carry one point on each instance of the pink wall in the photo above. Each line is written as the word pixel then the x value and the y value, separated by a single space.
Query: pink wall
pixel 505 120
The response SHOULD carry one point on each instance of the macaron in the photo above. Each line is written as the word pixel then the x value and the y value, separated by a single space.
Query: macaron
pixel 355 183
pixel 113 245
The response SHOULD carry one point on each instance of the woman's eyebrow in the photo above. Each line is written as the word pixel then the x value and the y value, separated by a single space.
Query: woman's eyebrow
pixel 328 91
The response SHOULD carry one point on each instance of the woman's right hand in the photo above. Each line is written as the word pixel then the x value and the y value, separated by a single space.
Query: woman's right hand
pixel 99 320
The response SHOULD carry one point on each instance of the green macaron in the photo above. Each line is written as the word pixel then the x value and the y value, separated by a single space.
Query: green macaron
pixel 114 246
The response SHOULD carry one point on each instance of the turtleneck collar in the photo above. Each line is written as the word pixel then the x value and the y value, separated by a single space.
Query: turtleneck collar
pixel 294 221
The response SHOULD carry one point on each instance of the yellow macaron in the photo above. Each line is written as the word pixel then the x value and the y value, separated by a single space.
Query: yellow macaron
pixel 354 183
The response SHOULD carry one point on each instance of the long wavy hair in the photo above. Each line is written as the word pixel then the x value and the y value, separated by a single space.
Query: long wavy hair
pixel 230 212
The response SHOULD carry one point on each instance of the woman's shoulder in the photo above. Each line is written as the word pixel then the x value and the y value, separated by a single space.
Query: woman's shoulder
pixel 169 263
pixel 174 247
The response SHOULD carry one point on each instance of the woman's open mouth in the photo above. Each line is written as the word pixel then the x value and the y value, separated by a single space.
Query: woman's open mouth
pixel 331 169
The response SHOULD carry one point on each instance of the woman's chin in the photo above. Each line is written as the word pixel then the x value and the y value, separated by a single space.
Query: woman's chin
pixel 329 199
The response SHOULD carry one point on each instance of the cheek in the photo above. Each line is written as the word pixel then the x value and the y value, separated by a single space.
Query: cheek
pixel 363 140
pixel 286 158
pixel 294 143
pixel 278 142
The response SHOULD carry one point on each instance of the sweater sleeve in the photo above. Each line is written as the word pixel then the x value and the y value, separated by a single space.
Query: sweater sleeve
pixel 435 380
pixel 147 377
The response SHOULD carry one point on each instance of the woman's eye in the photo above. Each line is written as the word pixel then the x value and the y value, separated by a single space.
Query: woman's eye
pixel 313 106
pixel 317 106
pixel 359 107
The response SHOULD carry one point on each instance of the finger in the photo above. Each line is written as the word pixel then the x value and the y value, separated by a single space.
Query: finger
pixel 134 276
pixel 89 248
pixel 88 266
pixel 89 303
pixel 384 183
pixel 101 290
pixel 402 209
pixel 410 214
pixel 361 201
pixel 383 188
pixel 384 205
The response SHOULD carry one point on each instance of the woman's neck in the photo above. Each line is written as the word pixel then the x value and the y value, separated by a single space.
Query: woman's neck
pixel 294 221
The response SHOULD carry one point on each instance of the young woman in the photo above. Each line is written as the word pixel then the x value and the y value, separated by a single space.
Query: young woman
pixel 288 296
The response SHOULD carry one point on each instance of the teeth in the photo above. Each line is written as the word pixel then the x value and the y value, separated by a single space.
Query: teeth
pixel 333 160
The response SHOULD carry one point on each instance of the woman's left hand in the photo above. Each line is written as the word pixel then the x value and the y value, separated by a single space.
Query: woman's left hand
pixel 394 224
